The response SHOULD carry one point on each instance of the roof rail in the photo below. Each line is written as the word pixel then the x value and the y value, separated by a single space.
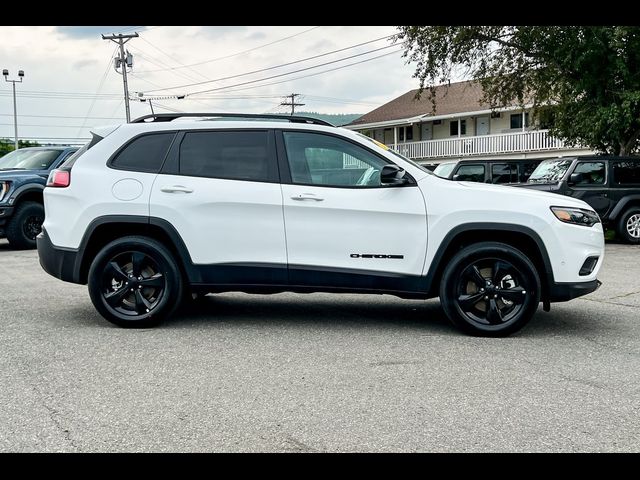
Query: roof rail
pixel 168 117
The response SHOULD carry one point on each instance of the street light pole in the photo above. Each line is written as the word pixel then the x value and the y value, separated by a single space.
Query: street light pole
pixel 5 72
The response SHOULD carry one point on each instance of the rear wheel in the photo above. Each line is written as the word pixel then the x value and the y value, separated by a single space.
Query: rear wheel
pixel 490 289
pixel 25 225
pixel 629 226
pixel 135 282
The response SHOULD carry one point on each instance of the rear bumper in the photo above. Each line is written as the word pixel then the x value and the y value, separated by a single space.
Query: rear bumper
pixel 62 263
pixel 562 292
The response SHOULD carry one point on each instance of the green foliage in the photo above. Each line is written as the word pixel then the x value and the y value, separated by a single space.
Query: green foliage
pixel 586 77
pixel 333 118
pixel 7 145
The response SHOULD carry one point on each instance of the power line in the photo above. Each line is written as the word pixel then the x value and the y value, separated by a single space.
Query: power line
pixel 310 74
pixel 234 54
pixel 104 76
pixel 293 63
pixel 60 116
pixel 173 58
pixel 300 70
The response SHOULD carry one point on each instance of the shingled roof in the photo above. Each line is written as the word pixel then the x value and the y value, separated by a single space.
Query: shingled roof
pixel 459 97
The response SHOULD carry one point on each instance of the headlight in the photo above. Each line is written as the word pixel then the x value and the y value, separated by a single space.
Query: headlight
pixel 4 188
pixel 576 216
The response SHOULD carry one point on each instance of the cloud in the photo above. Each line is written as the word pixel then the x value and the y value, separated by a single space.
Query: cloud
pixel 222 31
pixel 94 31
pixel 80 64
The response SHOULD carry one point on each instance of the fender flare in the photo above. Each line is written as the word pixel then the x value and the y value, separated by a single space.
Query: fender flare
pixel 437 263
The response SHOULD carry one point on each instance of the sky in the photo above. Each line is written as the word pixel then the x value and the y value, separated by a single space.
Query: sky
pixel 70 84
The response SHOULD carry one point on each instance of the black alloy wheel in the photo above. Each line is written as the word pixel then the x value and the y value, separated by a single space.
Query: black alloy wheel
pixel 135 282
pixel 32 226
pixel 490 289
pixel 25 225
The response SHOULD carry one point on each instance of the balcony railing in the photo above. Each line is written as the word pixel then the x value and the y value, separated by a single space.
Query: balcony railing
pixel 531 141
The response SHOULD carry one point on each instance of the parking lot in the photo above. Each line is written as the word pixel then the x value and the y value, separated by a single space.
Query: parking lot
pixel 318 372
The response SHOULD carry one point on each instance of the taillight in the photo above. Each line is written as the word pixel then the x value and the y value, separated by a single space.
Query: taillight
pixel 59 178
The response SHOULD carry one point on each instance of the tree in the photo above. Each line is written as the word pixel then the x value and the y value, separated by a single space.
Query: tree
pixel 586 78
pixel 7 145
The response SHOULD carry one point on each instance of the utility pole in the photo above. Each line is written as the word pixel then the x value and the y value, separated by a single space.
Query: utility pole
pixel 5 72
pixel 124 61
pixel 292 103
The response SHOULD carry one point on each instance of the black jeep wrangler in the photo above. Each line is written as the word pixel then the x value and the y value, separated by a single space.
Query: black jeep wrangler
pixel 610 184
pixel 23 175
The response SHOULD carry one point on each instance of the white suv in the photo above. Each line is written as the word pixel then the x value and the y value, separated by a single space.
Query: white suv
pixel 151 212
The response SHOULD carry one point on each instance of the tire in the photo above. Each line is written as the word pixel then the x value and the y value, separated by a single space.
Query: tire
pixel 25 225
pixel 135 301
pixel 629 226
pixel 500 270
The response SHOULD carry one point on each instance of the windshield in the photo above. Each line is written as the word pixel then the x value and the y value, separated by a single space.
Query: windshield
pixel 399 155
pixel 444 169
pixel 28 159
pixel 550 171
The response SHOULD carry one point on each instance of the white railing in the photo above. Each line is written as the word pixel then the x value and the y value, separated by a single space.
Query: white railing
pixel 534 140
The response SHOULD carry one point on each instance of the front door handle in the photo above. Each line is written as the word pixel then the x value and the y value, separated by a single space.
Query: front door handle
pixel 176 189
pixel 307 196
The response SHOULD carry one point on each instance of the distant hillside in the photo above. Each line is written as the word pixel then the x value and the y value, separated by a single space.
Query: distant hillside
pixel 336 119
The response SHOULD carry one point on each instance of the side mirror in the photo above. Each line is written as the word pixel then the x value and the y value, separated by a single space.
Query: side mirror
pixel 575 178
pixel 456 177
pixel 392 175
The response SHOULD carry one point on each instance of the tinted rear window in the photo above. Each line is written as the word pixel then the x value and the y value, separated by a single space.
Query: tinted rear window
pixel 470 173
pixel 232 155
pixel 144 154
pixel 626 173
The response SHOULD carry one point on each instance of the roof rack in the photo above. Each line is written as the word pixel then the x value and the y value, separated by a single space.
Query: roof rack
pixel 168 117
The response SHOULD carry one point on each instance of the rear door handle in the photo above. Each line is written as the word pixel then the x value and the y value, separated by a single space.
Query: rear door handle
pixel 176 189
pixel 307 196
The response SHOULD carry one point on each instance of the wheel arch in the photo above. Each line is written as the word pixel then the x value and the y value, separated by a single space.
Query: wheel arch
pixel 27 193
pixel 518 236
pixel 105 229
pixel 623 205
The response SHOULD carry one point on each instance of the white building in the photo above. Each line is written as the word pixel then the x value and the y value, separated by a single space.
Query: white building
pixel 461 126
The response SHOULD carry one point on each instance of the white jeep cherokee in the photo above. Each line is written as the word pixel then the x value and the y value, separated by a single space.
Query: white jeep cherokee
pixel 151 212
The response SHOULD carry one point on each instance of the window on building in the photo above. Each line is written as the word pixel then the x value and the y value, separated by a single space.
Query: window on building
pixel 453 127
pixel 401 134
pixel 409 133
pixel 145 153
pixel 228 155
pixel 626 173
pixel 516 120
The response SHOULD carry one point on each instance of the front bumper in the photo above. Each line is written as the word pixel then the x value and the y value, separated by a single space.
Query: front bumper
pixel 563 292
pixel 5 214
pixel 62 263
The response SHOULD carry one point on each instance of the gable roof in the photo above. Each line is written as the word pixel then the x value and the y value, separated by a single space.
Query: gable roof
pixel 459 97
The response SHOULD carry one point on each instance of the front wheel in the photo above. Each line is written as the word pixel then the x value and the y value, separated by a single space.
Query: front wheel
pixel 490 289
pixel 135 282
pixel 629 226
pixel 25 225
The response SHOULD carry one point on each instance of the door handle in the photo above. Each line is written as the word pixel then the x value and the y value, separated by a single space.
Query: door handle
pixel 176 189
pixel 307 196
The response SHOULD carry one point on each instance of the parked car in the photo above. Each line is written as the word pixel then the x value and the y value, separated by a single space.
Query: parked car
pixel 609 184
pixel 23 175
pixel 488 171
pixel 152 211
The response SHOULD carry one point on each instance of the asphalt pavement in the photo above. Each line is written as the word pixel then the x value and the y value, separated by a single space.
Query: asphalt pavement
pixel 315 373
